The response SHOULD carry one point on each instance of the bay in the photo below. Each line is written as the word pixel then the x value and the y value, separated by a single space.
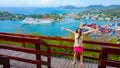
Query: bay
pixel 48 29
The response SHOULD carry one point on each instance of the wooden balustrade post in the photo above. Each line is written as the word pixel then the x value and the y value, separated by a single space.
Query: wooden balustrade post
pixel 24 44
pixel 49 56
pixel 5 61
pixel 38 56
pixel 103 56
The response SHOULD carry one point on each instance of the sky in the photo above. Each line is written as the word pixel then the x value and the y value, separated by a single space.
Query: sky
pixel 56 3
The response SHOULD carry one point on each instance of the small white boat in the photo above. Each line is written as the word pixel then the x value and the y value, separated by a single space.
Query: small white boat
pixel 117 28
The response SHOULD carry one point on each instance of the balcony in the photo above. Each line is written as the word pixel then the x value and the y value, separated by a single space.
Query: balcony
pixel 51 57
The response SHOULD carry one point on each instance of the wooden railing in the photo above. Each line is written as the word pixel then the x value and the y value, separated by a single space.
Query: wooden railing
pixel 92 49
pixel 104 61
pixel 37 51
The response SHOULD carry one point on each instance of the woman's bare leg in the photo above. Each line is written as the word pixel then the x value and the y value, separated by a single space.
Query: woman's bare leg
pixel 81 59
pixel 74 58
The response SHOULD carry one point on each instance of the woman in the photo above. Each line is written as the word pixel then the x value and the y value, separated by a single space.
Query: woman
pixel 78 44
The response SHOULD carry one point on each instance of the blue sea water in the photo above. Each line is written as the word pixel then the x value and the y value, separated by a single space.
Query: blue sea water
pixel 37 10
pixel 51 29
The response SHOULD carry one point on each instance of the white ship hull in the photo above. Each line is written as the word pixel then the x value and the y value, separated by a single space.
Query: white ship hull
pixel 37 21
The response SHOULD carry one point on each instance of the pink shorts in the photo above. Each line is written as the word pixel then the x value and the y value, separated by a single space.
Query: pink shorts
pixel 78 49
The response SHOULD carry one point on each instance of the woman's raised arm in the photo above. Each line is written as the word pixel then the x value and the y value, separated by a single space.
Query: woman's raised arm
pixel 92 30
pixel 68 30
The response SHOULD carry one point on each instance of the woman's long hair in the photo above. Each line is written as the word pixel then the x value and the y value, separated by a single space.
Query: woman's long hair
pixel 80 34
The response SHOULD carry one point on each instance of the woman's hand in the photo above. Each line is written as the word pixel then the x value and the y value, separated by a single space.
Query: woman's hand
pixel 97 29
pixel 68 30
pixel 62 28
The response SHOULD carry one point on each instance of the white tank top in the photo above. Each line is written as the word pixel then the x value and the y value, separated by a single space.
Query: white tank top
pixel 78 42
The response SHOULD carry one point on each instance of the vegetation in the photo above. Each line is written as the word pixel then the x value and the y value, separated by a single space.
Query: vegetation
pixel 10 16
pixel 97 12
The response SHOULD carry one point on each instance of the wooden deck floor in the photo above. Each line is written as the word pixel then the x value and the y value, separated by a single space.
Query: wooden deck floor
pixel 55 61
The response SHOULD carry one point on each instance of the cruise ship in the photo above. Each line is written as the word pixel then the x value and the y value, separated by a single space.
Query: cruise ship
pixel 30 20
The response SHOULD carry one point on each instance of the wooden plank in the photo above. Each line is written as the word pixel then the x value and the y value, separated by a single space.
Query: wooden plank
pixel 111 50
pixel 101 43
pixel 42 37
pixel 54 62
pixel 111 63
pixel 22 59
pixel 61 53
pixel 28 50
pixel 44 63
pixel 19 39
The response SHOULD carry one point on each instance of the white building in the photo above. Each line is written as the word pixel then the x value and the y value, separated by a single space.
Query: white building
pixel 100 18
pixel 107 18
pixel 92 18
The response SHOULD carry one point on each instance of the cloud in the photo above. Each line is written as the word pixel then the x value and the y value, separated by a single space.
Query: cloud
pixel 45 1
pixel 54 3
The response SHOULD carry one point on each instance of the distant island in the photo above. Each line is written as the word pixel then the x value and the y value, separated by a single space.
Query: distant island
pixel 103 7
pixel 97 12
pixel 10 16
pixel 92 7
pixel 69 7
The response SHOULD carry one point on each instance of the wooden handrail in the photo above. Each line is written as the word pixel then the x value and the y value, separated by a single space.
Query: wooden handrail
pixel 62 39
pixel 15 48
pixel 32 40
pixel 111 50
pixel 19 39
pixel 22 59
pixel 104 61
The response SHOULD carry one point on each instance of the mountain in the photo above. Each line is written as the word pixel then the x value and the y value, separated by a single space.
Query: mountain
pixel 113 7
pixel 92 7
pixel 103 7
pixel 69 7
pixel 95 7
